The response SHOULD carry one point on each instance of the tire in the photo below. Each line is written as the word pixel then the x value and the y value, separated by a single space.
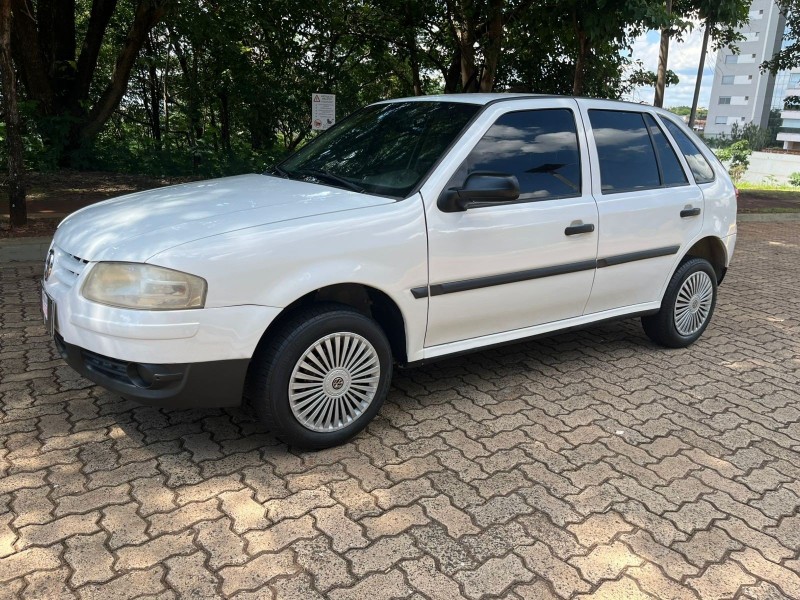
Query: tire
pixel 303 353
pixel 687 307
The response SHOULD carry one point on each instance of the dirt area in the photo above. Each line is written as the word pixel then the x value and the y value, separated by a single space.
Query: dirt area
pixel 54 195
pixel 769 201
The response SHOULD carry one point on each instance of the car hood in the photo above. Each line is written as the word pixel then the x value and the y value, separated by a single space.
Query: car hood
pixel 137 226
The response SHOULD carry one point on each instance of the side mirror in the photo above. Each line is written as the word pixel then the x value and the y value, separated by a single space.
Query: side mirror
pixel 480 189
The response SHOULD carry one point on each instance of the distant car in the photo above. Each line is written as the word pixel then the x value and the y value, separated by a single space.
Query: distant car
pixel 412 230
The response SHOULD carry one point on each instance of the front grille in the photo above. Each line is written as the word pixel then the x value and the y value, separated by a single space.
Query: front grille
pixel 67 267
pixel 110 367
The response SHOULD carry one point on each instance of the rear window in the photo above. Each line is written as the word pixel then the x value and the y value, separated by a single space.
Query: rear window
pixel 627 158
pixel 701 169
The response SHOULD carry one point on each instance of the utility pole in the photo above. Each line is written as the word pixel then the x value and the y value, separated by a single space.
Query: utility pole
pixel 700 67
pixel 663 55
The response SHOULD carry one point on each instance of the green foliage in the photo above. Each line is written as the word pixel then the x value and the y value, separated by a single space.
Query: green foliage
pixel 225 87
pixel 738 155
pixel 788 57
pixel 794 179
pixel 649 78
pixel 684 111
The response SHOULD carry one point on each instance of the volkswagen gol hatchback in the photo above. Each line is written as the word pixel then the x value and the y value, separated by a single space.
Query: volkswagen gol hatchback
pixel 413 229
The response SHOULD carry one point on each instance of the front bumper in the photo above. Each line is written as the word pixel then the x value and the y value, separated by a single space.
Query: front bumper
pixel 218 383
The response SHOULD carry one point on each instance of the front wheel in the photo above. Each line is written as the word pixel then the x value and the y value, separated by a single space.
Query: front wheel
pixel 322 377
pixel 687 305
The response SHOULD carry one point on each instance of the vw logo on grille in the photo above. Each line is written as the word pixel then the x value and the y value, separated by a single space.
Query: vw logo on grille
pixel 48 264
pixel 337 383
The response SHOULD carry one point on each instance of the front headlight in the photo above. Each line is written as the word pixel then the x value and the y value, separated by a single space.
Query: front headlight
pixel 145 287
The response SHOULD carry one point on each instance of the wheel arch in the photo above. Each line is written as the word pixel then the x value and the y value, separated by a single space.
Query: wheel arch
pixel 712 249
pixel 368 300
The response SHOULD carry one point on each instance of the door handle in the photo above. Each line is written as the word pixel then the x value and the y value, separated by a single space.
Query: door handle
pixel 576 229
pixel 689 212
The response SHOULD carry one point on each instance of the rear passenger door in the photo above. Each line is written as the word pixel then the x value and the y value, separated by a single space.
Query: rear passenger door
pixel 649 211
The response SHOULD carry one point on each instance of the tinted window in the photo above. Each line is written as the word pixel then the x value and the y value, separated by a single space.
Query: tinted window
pixel 385 149
pixel 627 158
pixel 671 169
pixel 702 171
pixel 540 147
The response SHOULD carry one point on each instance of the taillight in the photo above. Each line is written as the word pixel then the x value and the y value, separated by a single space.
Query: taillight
pixel 736 189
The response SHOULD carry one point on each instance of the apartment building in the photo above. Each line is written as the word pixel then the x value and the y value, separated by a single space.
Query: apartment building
pixel 740 92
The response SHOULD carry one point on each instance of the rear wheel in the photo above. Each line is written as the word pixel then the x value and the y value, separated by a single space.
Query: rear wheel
pixel 322 377
pixel 687 306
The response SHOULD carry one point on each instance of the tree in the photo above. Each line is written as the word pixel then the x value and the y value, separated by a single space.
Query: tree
pixel 57 77
pixel 721 19
pixel 16 184
pixel 738 154
pixel 600 26
pixel 788 57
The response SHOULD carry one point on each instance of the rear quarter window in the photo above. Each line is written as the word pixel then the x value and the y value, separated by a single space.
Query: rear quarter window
pixel 700 167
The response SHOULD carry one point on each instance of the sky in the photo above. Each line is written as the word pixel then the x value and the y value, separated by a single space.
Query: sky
pixel 683 59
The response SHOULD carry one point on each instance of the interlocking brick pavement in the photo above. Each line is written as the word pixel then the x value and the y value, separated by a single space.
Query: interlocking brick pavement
pixel 587 465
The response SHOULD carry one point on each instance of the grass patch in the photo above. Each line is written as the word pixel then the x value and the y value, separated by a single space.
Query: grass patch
pixel 780 187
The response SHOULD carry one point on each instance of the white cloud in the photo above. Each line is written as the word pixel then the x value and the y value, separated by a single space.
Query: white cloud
pixel 684 57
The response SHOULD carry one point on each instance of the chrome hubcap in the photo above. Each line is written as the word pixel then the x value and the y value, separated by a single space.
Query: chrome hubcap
pixel 693 304
pixel 334 382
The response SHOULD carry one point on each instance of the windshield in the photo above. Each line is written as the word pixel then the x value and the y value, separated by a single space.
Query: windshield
pixel 385 149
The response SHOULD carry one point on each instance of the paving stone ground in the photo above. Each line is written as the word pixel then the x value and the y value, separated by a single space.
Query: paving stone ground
pixel 587 465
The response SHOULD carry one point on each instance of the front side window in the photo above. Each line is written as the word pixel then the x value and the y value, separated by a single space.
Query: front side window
pixel 701 169
pixel 384 149
pixel 627 158
pixel 539 147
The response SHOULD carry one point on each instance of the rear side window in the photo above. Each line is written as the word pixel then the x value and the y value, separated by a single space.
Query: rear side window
pixel 671 169
pixel 539 147
pixel 627 158
pixel 702 171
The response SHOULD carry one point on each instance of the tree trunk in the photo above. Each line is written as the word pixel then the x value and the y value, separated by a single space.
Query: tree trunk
pixel 580 66
pixel 580 60
pixel 700 66
pixel 154 93
pixel 453 74
pixel 493 45
pixel 148 13
pixel 663 56
pixel 18 211
pixel 411 47
pixel 225 120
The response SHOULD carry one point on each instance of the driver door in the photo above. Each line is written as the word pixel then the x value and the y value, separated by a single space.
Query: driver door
pixel 507 265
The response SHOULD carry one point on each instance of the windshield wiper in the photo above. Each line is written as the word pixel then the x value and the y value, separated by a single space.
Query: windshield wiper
pixel 280 171
pixel 331 178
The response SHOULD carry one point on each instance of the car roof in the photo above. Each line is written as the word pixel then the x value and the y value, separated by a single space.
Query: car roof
pixel 483 99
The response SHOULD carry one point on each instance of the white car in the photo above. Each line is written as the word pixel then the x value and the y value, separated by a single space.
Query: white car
pixel 412 230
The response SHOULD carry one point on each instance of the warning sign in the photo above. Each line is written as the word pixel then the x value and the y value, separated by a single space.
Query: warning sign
pixel 323 111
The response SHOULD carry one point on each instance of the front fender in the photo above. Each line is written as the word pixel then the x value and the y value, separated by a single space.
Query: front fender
pixel 384 247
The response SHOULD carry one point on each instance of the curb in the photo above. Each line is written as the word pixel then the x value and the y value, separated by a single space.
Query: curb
pixel 24 249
